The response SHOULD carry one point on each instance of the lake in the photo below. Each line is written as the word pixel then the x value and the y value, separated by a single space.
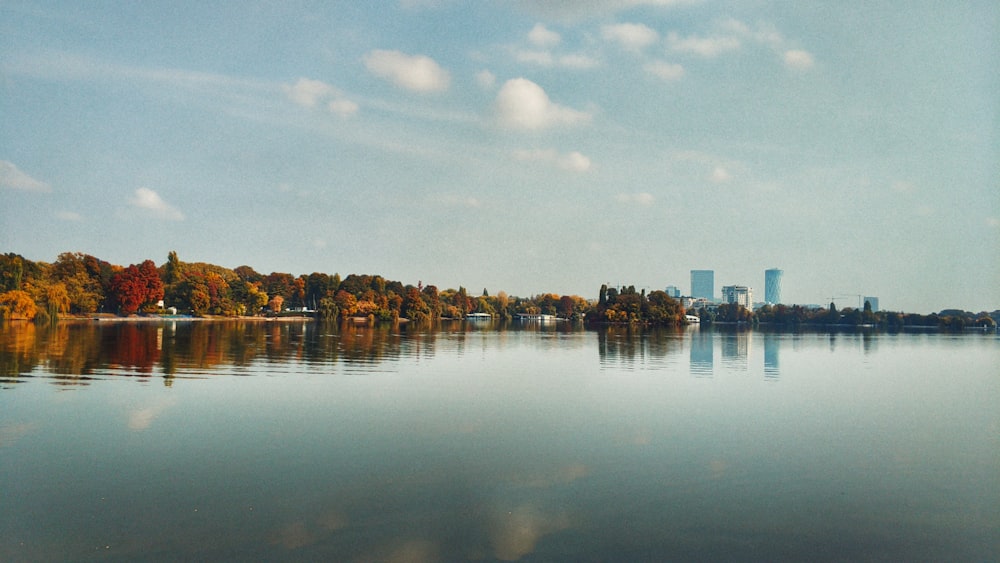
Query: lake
pixel 473 441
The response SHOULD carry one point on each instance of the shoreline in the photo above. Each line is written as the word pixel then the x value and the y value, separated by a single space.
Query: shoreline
pixel 179 318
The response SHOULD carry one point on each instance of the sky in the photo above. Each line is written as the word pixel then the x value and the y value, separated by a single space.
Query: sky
pixel 527 146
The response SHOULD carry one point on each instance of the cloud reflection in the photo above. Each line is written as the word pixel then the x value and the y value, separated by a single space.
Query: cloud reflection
pixel 515 533
pixel 142 418
pixel 10 434
pixel 294 536
pixel 559 476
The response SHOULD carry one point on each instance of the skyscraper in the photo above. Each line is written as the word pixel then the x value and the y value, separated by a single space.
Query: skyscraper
pixel 703 284
pixel 772 285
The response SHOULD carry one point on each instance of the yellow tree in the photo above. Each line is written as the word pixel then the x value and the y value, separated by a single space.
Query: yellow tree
pixel 17 304
pixel 56 299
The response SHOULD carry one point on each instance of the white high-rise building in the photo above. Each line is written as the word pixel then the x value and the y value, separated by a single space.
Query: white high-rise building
pixel 738 294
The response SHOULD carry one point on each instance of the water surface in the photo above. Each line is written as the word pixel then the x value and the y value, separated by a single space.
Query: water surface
pixel 253 440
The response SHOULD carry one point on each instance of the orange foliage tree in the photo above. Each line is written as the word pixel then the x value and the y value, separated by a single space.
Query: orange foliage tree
pixel 135 287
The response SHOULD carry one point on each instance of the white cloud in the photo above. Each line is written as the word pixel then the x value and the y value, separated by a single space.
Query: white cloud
pixel 577 61
pixel 417 73
pixel 702 46
pixel 763 33
pixel 572 161
pixel 543 37
pixel 307 92
pixel 547 59
pixel 522 104
pixel 632 36
pixel 665 70
pixel 541 58
pixel 68 216
pixel 720 175
pixel 642 198
pixel 148 200
pixel 730 34
pixel 12 177
pixel 310 93
pixel 342 107
pixel 577 9
pixel 486 79
pixel 798 59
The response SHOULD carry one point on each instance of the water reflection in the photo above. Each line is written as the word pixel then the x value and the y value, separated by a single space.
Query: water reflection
pixel 76 353
pixel 637 347
pixel 771 347
pixel 702 353
pixel 397 443
pixel 735 346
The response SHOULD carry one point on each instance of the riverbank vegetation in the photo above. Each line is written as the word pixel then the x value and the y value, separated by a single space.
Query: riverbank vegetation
pixel 82 285
pixel 79 284
pixel 627 305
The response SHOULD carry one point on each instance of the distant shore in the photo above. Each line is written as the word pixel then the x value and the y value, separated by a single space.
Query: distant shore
pixel 108 317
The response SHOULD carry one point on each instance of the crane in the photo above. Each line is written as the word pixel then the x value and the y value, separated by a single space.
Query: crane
pixel 860 304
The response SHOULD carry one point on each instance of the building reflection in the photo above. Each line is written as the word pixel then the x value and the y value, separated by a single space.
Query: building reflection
pixel 868 342
pixel 736 349
pixel 702 353
pixel 771 346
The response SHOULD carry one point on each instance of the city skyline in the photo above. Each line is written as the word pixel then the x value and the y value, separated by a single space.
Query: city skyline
pixel 524 146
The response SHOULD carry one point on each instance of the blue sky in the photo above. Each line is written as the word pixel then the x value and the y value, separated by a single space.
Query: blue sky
pixel 525 146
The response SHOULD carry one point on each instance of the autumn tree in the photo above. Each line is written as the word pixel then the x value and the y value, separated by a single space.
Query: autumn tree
pixel 86 279
pixel 17 304
pixel 56 300
pixel 432 298
pixel 248 274
pixel 415 308
pixel 254 300
pixel 279 283
pixel 136 287
pixel 346 303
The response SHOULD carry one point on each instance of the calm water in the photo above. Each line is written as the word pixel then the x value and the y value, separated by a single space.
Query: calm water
pixel 288 441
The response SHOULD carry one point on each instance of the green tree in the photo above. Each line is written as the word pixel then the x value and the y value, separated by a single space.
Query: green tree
pixel 86 278
pixel 173 271
pixel 11 272
pixel 328 310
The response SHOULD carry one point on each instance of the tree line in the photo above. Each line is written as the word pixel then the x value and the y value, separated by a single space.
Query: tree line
pixel 81 284
pixel 793 316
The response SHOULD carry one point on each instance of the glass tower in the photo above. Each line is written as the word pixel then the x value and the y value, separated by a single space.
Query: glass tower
pixel 703 284
pixel 772 285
